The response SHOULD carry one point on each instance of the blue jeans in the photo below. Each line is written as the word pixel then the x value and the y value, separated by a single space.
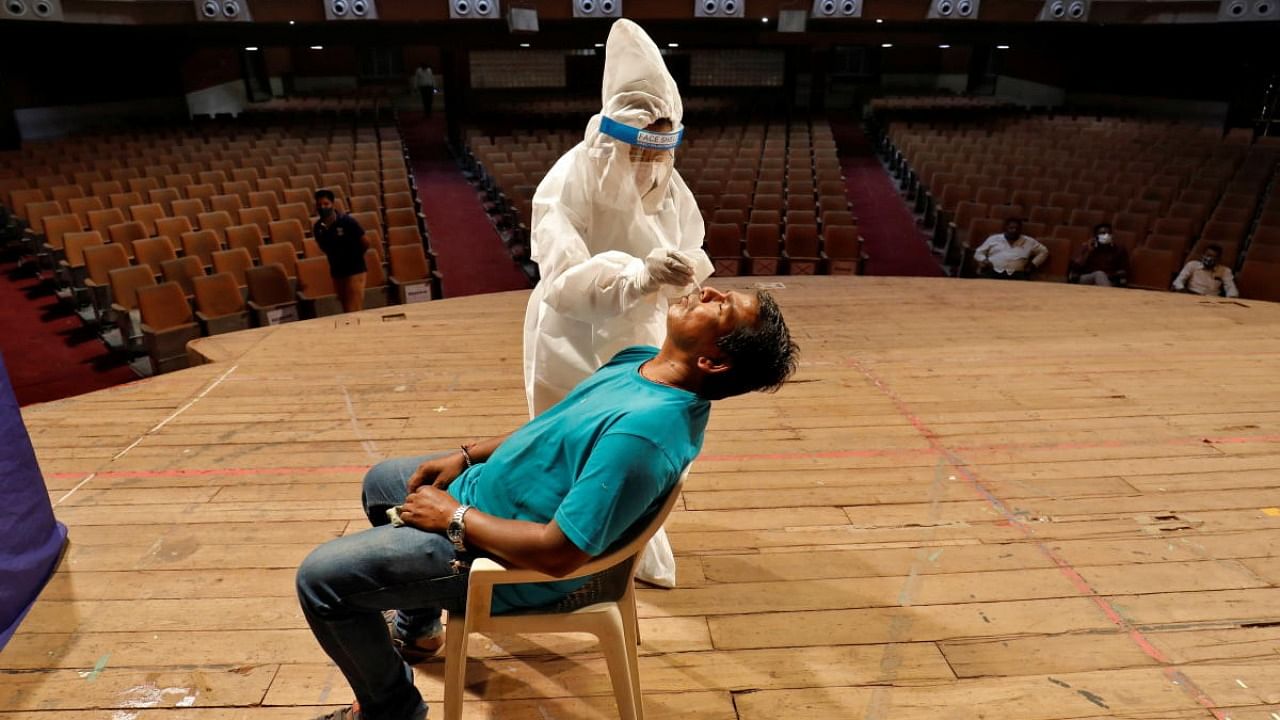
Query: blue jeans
pixel 345 584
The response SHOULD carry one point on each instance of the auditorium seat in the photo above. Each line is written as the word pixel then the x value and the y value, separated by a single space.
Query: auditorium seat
pixel 838 218
pixel 167 325
pixel 1152 269
pixel 220 307
pixel 1260 279
pixel 800 250
pixel 72 267
pixel 153 253
pixel 843 249
pixel 248 237
pixel 1086 218
pixel 216 221
pixel 99 261
pixel 183 271
pixel 1055 268
pixel 409 274
pixel 375 290
pixel 237 262
pixel 723 245
pixel 763 252
pixel 271 295
pixel 124 283
pixel 126 234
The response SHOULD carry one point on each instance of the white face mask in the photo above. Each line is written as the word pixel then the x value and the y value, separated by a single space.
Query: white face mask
pixel 645 175
pixel 1104 238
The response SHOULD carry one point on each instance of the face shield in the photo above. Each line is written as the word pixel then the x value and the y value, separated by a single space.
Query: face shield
pixel 646 157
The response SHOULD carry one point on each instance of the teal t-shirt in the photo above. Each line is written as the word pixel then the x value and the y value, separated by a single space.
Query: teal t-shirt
pixel 597 462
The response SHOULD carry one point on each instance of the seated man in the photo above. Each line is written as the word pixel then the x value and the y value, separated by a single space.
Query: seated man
pixel 1011 255
pixel 1206 277
pixel 1100 261
pixel 549 497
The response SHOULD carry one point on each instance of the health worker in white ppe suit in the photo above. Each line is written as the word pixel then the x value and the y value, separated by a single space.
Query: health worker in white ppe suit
pixel 616 235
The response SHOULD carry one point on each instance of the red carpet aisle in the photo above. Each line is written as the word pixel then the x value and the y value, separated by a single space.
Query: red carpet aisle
pixel 471 256
pixel 49 352
pixel 892 239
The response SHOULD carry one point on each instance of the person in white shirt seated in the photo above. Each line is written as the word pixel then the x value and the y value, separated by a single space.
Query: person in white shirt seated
pixel 1206 277
pixel 1010 255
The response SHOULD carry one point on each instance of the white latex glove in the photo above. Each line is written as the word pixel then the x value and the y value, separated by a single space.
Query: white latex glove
pixel 664 267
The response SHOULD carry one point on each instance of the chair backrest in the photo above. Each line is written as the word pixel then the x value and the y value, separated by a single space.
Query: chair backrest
pixel 399 217
pixel 269 285
pixel 408 263
pixel 237 262
pixel 218 221
pixel 259 216
pixel 404 236
pixel 126 234
pixel 281 254
pixel 184 271
pixel 102 220
pixel 296 211
pixel 153 252
pixel 841 241
pixel 74 244
pixel 57 226
pixel 313 277
pixel 248 237
pixel 125 282
pixel 100 260
pixel 164 306
pixel 619 564
pixel 218 295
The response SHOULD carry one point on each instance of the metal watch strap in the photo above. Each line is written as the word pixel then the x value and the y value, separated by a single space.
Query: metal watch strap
pixel 459 520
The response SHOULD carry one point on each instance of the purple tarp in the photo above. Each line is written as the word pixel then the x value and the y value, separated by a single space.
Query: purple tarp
pixel 30 537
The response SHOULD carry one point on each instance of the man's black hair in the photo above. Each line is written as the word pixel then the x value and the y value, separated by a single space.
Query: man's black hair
pixel 761 356
pixel 325 195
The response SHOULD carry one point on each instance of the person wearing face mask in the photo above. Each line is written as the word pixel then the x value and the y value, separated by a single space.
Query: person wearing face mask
pixel 616 234
pixel 1206 277
pixel 1100 261
pixel 343 242
pixel 1010 255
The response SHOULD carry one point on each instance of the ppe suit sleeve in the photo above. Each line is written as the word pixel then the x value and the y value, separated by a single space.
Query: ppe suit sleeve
pixel 587 288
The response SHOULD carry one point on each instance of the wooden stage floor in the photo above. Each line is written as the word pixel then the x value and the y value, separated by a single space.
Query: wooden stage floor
pixel 977 500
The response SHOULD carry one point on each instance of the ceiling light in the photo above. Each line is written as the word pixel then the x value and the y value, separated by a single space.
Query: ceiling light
pixel 252 48
pixel 1002 47
pixel 292 22
pixel 879 21
pixel 317 47
pixel 764 20
pixel 524 45
pixel 944 46
pixel 886 44
pixel 673 45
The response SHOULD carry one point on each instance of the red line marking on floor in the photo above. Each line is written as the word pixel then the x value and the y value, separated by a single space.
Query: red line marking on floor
pixel 1073 576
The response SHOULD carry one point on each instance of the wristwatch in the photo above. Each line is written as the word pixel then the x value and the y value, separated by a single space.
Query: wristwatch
pixel 457 530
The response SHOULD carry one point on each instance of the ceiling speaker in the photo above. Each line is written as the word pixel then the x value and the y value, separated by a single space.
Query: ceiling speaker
pixel 835 9
pixel 50 10
pixel 1248 10
pixel 953 10
pixel 719 8
pixel 222 11
pixel 597 8
pixel 350 10
pixel 474 10
pixel 1064 11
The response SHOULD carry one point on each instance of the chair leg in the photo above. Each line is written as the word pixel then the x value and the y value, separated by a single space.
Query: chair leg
pixel 617 652
pixel 455 666
pixel 631 637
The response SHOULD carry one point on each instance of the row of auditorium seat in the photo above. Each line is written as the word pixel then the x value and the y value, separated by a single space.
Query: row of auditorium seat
pixel 1168 190
pixel 229 202
pixel 759 185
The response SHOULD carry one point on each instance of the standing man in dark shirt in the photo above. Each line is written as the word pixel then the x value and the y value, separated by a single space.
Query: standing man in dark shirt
pixel 1100 261
pixel 343 241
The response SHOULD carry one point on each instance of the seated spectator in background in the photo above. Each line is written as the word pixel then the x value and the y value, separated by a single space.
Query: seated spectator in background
pixel 1011 255
pixel 1100 261
pixel 1206 277
pixel 343 242
pixel 562 489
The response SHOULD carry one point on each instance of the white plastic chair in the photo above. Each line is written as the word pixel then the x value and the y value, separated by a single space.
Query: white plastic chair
pixel 604 607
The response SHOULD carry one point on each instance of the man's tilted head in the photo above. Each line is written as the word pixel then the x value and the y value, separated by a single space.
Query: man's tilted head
pixel 740 341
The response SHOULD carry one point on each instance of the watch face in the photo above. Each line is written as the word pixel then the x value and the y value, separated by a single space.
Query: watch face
pixel 455 531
